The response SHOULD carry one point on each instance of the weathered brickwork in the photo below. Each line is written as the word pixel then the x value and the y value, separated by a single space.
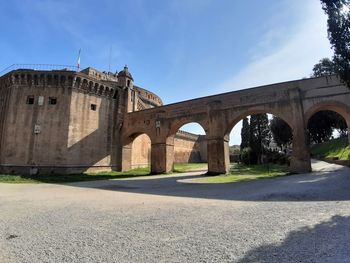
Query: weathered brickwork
pixel 64 121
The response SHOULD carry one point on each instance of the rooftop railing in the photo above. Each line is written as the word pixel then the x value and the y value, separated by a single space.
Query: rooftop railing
pixel 38 67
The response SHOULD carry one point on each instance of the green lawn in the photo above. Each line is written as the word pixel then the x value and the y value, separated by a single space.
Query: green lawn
pixel 56 178
pixel 185 167
pixel 334 148
pixel 240 173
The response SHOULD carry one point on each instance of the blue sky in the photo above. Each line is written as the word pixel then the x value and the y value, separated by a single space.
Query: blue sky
pixel 179 49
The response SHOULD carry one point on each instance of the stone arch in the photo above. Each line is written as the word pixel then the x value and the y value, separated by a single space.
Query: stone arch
pixel 23 79
pixel 133 156
pixel 176 124
pixel 96 88
pixel 70 81
pixel 234 119
pixel 56 80
pixel 85 84
pixel 336 106
pixel 101 90
pixel 63 80
pixel 49 79
pixel 106 93
pixel 35 80
pixel 115 94
pixel 91 86
pixel 29 80
pixel 77 82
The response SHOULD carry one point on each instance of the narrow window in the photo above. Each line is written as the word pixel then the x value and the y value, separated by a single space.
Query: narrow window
pixel 52 100
pixel 30 99
pixel 93 107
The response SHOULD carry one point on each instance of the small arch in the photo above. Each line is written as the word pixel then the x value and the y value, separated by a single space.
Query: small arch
pixel 96 88
pixel 56 80
pixel 70 81
pixel 84 85
pixel 49 80
pixel 106 93
pixel 115 95
pixel 91 86
pixel 77 82
pixel 29 80
pixel 63 80
pixel 23 79
pixel 100 92
pixel 36 81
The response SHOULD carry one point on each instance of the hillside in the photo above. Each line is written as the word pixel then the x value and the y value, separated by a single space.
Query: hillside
pixel 335 148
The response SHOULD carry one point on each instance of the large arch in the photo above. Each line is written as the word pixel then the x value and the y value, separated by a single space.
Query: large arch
pixel 130 152
pixel 336 106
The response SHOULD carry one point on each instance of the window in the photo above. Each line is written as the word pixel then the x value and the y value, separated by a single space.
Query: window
pixel 93 107
pixel 30 99
pixel 52 100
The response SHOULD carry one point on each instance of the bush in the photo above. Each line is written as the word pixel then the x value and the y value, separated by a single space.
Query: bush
pixel 248 156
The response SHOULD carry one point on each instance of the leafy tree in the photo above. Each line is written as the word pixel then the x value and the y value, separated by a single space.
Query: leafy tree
pixel 322 124
pixel 324 67
pixel 281 132
pixel 338 12
pixel 260 136
pixel 245 131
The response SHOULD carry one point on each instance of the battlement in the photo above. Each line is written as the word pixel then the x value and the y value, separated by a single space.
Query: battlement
pixel 63 78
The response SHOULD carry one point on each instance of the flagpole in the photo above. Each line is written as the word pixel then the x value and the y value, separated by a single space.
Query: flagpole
pixel 78 62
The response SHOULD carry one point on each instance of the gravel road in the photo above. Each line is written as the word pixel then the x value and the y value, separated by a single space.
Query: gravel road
pixel 299 218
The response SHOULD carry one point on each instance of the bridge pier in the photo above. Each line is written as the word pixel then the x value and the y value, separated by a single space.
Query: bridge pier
pixel 162 158
pixel 300 161
pixel 126 157
pixel 218 155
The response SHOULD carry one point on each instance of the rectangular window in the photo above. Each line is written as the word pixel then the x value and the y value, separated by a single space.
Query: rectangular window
pixel 30 99
pixel 93 107
pixel 52 100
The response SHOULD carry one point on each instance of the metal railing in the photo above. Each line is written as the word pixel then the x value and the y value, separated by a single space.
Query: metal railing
pixel 38 67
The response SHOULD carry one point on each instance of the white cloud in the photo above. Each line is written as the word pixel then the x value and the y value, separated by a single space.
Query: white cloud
pixel 293 59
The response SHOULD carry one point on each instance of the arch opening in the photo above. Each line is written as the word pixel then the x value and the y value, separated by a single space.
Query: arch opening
pixel 136 152
pixel 261 139
pixel 328 135
pixel 190 148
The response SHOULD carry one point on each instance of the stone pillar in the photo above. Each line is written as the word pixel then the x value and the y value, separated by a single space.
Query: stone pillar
pixel 300 161
pixel 126 157
pixel 218 155
pixel 162 158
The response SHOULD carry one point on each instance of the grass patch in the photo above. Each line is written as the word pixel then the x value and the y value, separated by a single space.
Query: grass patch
pixel 69 178
pixel 240 173
pixel 186 167
pixel 335 148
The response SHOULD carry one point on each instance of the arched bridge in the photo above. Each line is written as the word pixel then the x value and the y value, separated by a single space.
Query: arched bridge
pixel 294 102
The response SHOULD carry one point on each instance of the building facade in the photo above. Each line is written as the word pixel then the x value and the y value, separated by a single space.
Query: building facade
pixel 64 121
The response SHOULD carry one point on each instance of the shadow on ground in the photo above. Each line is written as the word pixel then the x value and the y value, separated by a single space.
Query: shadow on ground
pixel 321 186
pixel 325 242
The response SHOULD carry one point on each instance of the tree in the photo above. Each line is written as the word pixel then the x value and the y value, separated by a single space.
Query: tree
pixel 338 12
pixel 245 134
pixel 281 132
pixel 260 136
pixel 321 126
pixel 324 67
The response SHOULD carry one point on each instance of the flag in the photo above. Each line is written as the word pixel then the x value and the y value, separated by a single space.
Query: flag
pixel 78 62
